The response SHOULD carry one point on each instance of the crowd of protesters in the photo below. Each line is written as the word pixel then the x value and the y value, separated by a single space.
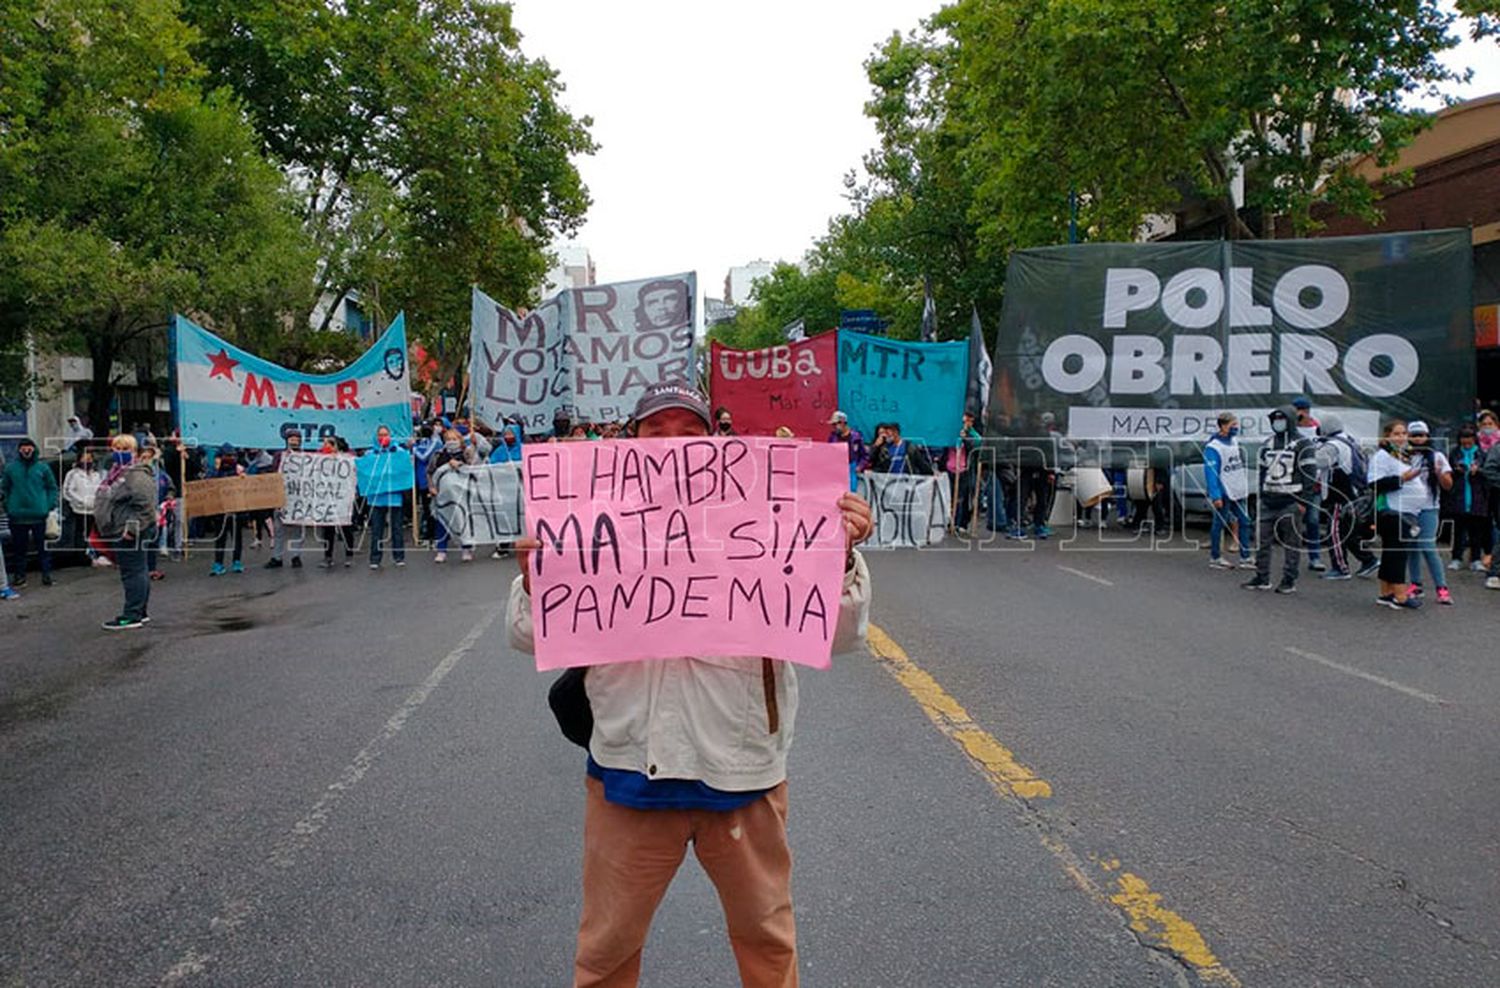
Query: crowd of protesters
pixel 1314 493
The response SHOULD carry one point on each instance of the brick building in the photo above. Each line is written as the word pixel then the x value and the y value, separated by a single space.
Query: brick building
pixel 1455 182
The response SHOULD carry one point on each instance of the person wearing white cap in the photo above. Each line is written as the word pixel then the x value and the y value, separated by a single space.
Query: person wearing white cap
pixel 691 751
pixel 859 456
pixel 1436 477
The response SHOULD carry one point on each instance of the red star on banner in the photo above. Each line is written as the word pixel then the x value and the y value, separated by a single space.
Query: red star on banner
pixel 223 366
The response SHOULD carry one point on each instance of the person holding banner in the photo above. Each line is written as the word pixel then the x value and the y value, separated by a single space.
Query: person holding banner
pixel 454 455
pixel 691 751
pixel 283 529
pixel 227 527
pixel 385 500
pixel 334 445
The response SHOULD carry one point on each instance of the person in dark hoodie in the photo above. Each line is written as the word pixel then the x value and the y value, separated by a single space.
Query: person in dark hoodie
pixel 1288 481
pixel 29 489
pixel 226 464
pixel 125 513
pixel 1468 502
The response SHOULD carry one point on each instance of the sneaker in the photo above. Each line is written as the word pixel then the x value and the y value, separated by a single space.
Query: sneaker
pixel 1015 534
pixel 1368 569
pixel 18 582
pixel 1455 565
pixel 1337 574
pixel 157 574
pixel 372 565
pixel 47 580
pixel 1492 583
pixel 1387 600
pixel 400 563
pixel 101 562
pixel 468 556
pixel 145 619
pixel 1415 590
pixel 500 554
pixel 6 593
pixel 441 557
pixel 255 544
pixel 349 561
pixel 1220 564
pixel 1256 583
pixel 326 564
pixel 296 562
pixel 1042 532
pixel 237 567
pixel 273 563
pixel 1445 596
pixel 1247 562
pixel 1317 565
pixel 1478 566
pixel 216 570
pixel 121 624
pixel 1409 604
pixel 1286 587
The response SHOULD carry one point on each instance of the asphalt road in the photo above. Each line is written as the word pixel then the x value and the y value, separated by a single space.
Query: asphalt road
pixel 1060 767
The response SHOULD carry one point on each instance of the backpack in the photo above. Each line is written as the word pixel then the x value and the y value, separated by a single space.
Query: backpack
pixel 1359 468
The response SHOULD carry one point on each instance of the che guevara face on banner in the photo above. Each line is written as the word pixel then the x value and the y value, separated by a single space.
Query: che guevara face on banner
pixel 662 304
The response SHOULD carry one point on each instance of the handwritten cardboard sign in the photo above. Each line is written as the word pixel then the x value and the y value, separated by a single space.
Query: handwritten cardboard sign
pixel 908 511
pixel 657 548
pixel 231 495
pixel 481 504
pixel 319 488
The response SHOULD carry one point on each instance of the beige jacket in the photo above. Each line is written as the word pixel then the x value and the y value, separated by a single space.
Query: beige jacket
pixel 724 721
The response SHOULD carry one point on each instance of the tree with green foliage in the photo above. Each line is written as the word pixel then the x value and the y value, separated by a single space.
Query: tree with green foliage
pixel 128 191
pixel 1132 106
pixel 429 152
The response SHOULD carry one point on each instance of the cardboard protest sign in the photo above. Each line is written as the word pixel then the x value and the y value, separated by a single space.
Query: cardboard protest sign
pixel 919 386
pixel 1152 341
pixel 230 495
pixel 481 504
pixel 222 394
pixel 907 511
pixel 657 548
pixel 794 386
pixel 385 473
pixel 319 488
pixel 586 352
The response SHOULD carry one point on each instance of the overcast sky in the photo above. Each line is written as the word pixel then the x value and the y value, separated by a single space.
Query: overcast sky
pixel 726 128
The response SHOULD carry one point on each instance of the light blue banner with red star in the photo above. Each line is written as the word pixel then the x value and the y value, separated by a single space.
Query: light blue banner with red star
pixel 919 386
pixel 222 394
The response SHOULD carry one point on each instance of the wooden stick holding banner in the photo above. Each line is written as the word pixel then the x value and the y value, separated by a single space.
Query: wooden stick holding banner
pixel 975 495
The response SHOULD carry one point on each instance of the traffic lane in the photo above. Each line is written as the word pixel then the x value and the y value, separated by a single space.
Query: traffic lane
pixel 121 808
pixel 1164 735
pixel 457 861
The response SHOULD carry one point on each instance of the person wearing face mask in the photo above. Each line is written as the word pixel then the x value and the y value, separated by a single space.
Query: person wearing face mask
pixel 125 513
pixel 227 528
pixel 724 422
pixel 80 485
pixel 1436 477
pixel 1393 479
pixel 1348 501
pixel 1288 480
pixel 29 490
pixel 283 529
pixel 1467 501
pixel 385 508
pixel 1228 485
pixel 1489 429
pixel 454 455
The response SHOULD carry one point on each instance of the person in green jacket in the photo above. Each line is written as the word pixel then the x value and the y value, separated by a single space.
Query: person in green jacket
pixel 29 489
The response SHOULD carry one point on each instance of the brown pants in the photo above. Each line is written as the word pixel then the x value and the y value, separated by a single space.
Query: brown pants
pixel 629 858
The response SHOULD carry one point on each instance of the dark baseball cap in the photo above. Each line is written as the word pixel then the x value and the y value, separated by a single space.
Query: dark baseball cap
pixel 660 397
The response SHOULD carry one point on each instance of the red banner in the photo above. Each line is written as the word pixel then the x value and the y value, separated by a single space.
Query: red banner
pixel 793 385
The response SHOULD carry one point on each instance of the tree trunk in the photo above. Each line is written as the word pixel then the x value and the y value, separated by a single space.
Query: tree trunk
pixel 101 387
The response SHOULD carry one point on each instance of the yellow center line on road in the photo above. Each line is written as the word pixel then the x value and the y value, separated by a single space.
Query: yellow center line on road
pixel 1152 922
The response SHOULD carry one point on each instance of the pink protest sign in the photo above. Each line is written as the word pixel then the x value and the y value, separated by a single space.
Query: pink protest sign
pixel 656 548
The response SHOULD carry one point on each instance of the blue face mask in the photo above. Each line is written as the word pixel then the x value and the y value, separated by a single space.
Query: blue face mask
pixel 1234 430
pixel 121 457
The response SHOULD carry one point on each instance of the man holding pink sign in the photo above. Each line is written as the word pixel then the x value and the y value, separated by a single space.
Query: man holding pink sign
pixel 689 574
